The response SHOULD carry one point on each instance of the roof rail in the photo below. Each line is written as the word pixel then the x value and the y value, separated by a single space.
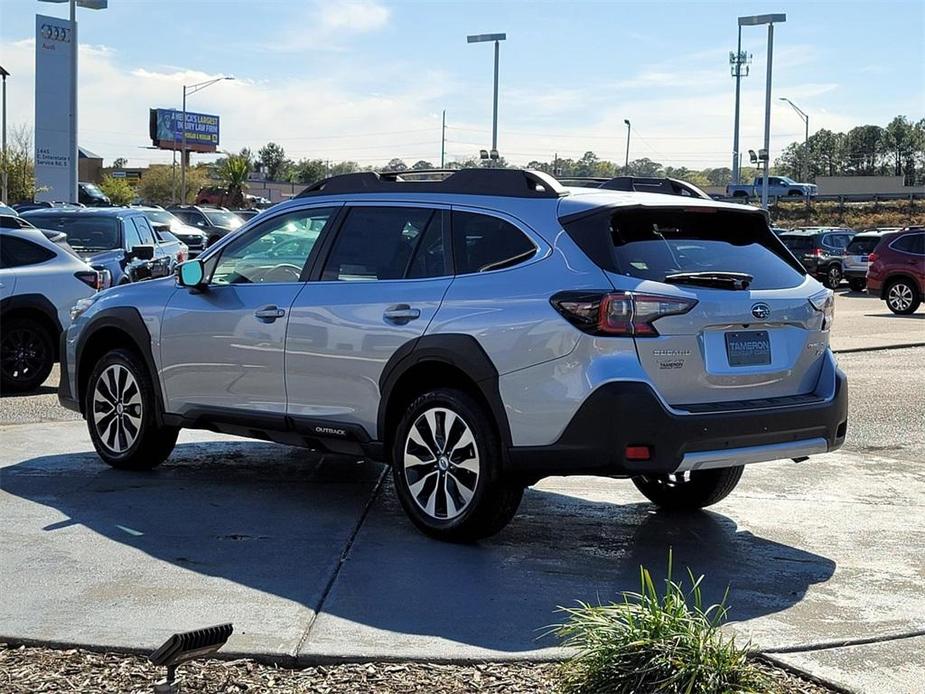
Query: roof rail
pixel 517 183
pixel 653 184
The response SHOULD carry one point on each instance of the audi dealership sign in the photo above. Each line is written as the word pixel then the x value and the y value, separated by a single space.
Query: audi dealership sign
pixel 55 150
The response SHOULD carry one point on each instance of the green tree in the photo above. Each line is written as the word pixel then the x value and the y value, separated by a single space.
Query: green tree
pixel 119 163
pixel 421 164
pixel 864 148
pixel 343 167
pixel 160 183
pixel 309 171
pixel 19 165
pixel 273 159
pixel 233 172
pixel 903 141
pixel 644 167
pixel 395 165
pixel 119 190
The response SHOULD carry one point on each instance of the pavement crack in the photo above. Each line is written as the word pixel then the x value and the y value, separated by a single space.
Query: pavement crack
pixel 827 645
pixel 329 586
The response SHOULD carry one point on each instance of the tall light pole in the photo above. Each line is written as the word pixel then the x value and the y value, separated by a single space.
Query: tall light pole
pixel 804 169
pixel 72 97
pixel 6 162
pixel 497 38
pixel 770 20
pixel 184 155
pixel 738 62
pixel 629 129
pixel 443 140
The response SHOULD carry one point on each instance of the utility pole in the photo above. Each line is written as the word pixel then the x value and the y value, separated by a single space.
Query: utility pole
pixel 767 120
pixel 443 140
pixel 737 62
pixel 629 128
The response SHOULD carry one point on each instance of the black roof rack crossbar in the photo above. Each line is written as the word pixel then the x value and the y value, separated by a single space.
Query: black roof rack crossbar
pixel 518 183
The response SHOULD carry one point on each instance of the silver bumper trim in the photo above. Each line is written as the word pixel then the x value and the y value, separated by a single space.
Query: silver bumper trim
pixel 732 457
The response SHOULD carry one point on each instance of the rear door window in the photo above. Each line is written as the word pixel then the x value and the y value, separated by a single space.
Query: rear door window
pixel 798 245
pixel 381 243
pixel 482 243
pixel 863 245
pixel 16 252
pixel 652 244
pixel 910 243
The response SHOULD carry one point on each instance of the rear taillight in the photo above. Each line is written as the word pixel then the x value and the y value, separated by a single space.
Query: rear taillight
pixel 818 252
pixel 824 302
pixel 619 314
pixel 872 258
pixel 181 256
pixel 91 278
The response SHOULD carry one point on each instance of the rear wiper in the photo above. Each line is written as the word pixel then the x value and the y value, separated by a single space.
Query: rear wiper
pixel 719 280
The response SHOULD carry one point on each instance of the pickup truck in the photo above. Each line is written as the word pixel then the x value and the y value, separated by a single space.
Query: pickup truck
pixel 778 187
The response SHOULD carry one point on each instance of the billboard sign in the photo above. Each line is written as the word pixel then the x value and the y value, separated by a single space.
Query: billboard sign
pixel 166 130
pixel 55 148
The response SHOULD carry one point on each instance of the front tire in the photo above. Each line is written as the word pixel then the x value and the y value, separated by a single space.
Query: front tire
pixel 689 491
pixel 120 407
pixel 446 465
pixel 26 355
pixel 833 277
pixel 902 297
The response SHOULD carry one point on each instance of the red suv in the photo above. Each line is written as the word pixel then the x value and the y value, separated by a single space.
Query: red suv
pixel 897 270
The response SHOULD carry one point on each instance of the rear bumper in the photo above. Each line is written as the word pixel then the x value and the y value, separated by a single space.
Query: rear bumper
pixel 620 414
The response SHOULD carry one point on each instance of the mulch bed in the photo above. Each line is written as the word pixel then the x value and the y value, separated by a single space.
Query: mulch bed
pixel 30 670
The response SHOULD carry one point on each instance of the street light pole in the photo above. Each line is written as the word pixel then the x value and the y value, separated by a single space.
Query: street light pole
pixel 629 129
pixel 184 155
pixel 757 20
pixel 6 161
pixel 496 38
pixel 443 140
pixel 804 168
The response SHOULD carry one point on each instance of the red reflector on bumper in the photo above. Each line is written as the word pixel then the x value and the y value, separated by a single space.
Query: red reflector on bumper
pixel 638 453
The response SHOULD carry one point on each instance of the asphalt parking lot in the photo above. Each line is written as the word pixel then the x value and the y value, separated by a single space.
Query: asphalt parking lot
pixel 313 560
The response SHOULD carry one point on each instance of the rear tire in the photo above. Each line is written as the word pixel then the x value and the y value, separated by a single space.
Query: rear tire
pixel 857 285
pixel 446 465
pixel 833 277
pixel 689 491
pixel 26 355
pixel 902 297
pixel 120 405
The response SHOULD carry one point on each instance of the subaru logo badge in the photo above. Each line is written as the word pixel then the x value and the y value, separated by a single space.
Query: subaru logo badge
pixel 761 311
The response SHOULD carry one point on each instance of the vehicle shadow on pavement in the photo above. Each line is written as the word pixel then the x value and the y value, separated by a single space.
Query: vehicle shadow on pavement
pixel 272 519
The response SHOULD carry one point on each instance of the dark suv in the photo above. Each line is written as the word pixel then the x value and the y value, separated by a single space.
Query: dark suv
pixel 214 222
pixel 821 250
pixel 117 239
pixel 897 270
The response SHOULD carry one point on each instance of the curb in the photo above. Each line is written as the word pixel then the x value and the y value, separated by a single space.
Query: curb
pixel 800 672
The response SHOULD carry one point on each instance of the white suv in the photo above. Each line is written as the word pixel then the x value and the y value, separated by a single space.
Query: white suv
pixel 39 284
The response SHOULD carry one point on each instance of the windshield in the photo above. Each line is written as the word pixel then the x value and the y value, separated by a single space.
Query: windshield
pixel 862 245
pixel 92 190
pixel 87 234
pixel 798 244
pixel 222 218
pixel 161 217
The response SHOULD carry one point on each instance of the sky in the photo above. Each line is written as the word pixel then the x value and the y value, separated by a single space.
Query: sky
pixel 367 80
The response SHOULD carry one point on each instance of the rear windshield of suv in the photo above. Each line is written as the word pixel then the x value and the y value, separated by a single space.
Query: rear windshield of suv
pixel 862 245
pixel 651 244
pixel 799 244
pixel 84 233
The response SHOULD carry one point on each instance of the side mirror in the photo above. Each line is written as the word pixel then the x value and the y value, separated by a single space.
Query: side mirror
pixel 145 252
pixel 191 274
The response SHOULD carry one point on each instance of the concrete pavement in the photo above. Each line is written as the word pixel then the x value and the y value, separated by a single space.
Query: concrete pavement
pixel 313 560
pixel 864 322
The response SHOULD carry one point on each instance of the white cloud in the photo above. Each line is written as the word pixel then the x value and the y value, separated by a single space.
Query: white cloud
pixel 358 16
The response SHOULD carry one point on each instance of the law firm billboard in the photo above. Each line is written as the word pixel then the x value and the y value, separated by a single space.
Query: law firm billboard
pixel 167 130
pixel 55 145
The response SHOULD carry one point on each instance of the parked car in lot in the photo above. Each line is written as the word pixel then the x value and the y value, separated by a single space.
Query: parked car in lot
pixel 821 250
pixel 778 187
pixel 897 270
pixel 194 239
pixel 246 214
pixel 39 284
pixel 856 260
pixel 119 239
pixel 478 333
pixel 214 222
pixel 90 195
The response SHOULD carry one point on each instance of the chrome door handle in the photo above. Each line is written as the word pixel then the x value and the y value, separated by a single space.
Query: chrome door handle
pixel 401 313
pixel 268 314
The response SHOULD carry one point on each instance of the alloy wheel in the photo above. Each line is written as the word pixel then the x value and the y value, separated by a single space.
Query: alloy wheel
pixel 441 463
pixel 117 408
pixel 900 297
pixel 834 277
pixel 22 354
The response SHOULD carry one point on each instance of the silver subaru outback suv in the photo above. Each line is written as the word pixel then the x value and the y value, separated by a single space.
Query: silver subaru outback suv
pixel 477 333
